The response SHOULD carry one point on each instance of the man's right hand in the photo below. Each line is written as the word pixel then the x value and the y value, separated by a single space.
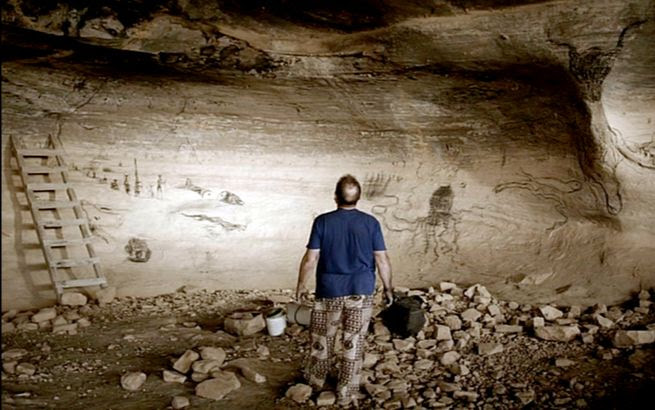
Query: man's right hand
pixel 388 297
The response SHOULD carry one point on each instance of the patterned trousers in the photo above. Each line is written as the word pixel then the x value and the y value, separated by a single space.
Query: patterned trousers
pixel 353 313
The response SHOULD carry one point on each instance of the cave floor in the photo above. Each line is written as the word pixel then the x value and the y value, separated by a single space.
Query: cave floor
pixel 82 371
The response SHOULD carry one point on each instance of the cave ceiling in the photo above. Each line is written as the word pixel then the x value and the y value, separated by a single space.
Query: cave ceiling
pixel 602 50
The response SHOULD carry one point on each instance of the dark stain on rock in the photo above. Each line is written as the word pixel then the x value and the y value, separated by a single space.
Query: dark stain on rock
pixel 441 203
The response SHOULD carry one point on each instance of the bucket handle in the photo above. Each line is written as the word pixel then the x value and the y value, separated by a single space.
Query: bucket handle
pixel 295 314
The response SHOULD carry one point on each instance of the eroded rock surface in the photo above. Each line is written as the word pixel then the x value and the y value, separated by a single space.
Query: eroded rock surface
pixel 508 143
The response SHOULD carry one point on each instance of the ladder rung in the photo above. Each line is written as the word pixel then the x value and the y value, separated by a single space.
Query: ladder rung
pixel 46 187
pixel 54 204
pixel 44 170
pixel 39 152
pixel 60 223
pixel 58 243
pixel 71 263
pixel 81 283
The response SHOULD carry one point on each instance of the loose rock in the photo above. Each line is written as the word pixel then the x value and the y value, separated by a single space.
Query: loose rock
pixel 299 393
pixel 471 315
pixel 180 402
pixel 73 299
pixel 487 349
pixel 625 338
pixel 449 358
pixel 26 368
pixel 106 295
pixel 13 354
pixel 245 324
pixel 213 353
pixel 170 376
pixel 205 365
pixel 44 314
pixel 219 386
pixel 550 313
pixel 133 381
pixel 183 364
pixel 326 398
pixel 557 333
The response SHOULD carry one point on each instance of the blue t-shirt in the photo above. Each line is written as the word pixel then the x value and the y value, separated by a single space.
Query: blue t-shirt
pixel 347 239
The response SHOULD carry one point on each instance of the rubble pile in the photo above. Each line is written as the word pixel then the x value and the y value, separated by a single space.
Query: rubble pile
pixel 471 347
pixel 474 349
pixel 71 315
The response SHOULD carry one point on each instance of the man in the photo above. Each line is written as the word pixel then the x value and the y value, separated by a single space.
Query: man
pixel 345 247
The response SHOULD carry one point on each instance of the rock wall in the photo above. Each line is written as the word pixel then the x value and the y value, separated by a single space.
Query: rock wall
pixel 515 176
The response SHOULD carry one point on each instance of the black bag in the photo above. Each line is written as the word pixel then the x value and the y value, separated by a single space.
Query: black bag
pixel 404 317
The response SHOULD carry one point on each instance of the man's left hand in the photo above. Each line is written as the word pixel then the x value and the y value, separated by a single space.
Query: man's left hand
pixel 301 293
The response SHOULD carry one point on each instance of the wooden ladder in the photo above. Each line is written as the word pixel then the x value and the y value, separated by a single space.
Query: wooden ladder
pixel 61 198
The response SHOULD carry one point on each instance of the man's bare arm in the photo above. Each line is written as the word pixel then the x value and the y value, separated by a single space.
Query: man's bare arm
pixel 307 267
pixel 384 271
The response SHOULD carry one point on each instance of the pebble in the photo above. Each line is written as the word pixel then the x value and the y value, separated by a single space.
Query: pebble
pixel 526 397
pixel 508 329
pixel 563 362
pixel 466 395
pixel 70 328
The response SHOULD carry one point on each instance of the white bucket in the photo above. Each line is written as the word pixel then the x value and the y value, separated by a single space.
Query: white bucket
pixel 299 313
pixel 276 322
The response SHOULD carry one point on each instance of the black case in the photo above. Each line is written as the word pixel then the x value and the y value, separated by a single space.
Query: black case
pixel 404 317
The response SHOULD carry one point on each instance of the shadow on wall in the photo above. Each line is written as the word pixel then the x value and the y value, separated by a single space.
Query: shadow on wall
pixel 32 273
pixel 598 194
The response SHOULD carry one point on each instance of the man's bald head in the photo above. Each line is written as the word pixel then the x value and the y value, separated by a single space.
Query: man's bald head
pixel 348 191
